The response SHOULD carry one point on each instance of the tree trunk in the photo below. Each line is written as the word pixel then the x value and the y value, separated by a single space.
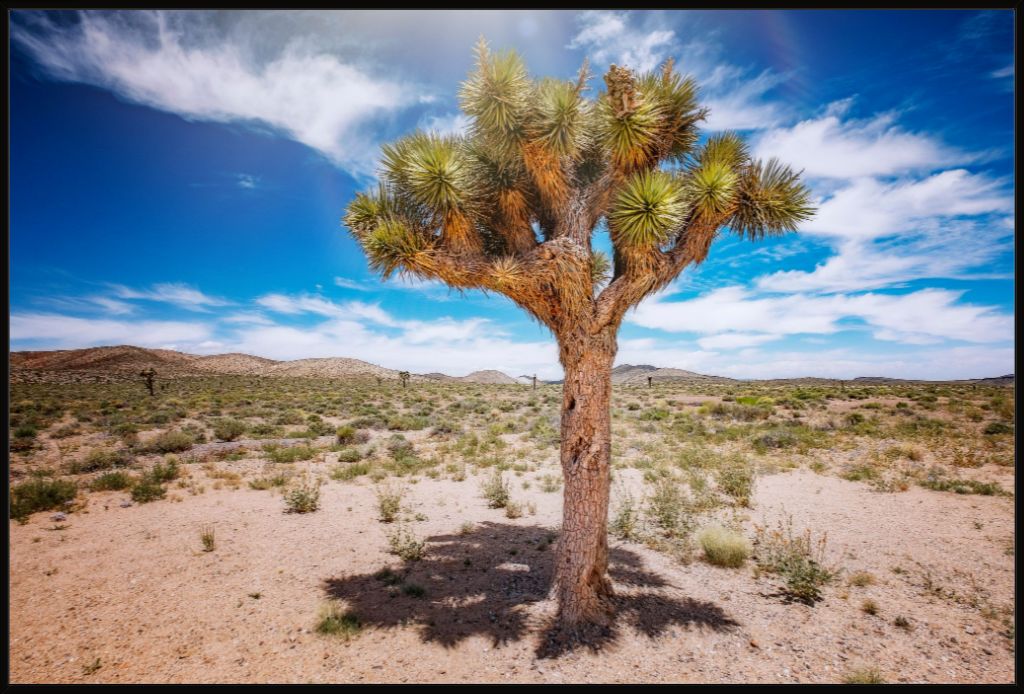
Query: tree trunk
pixel 581 581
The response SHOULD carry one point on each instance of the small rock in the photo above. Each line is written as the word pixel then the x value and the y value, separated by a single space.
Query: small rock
pixel 969 629
pixel 125 503
pixel 59 517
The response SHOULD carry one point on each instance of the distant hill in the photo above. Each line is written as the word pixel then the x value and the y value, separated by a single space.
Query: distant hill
pixel 126 361
pixel 627 374
pixel 489 376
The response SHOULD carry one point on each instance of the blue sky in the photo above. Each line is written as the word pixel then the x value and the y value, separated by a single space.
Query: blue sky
pixel 178 179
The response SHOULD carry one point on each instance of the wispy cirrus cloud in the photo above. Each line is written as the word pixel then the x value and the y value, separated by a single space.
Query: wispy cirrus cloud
pixel 928 314
pixel 176 293
pixel 172 62
pixel 58 331
pixel 737 97
pixel 831 147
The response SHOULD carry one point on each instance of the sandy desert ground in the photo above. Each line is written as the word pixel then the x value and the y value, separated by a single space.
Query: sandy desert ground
pixel 920 585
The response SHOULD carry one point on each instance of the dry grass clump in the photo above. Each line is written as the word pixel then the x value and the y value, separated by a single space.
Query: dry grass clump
pixel 723 547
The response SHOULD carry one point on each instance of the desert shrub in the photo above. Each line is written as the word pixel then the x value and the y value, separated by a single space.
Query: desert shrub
pixel 304 497
pixel 114 480
pixel 40 495
pixel 404 543
pixel 936 481
pixel 513 509
pixel 655 414
pixel 289 454
pixel 995 428
pixel 229 429
pixel 208 538
pixel 166 471
pixel 798 559
pixel 736 478
pixel 147 489
pixel 625 523
pixel 861 579
pixel 268 482
pixel 407 423
pixel 102 459
pixel 345 435
pixel 666 506
pixel 350 471
pixel 350 455
pixel 334 621
pixel 550 483
pixel 723 547
pixel 66 431
pixel 400 447
pixel 170 442
pixel 496 490
pixel 389 501
pixel 864 675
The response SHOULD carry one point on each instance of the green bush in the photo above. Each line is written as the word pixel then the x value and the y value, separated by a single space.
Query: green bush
pixel 290 454
pixel 115 480
pixel 350 471
pixel 40 495
pixel 170 442
pixel 229 429
pixel 102 459
pixel 336 622
pixel 303 498
pixel 496 490
pixel 389 501
pixel 346 435
pixel 166 471
pixel 736 478
pixel 999 428
pixel 147 489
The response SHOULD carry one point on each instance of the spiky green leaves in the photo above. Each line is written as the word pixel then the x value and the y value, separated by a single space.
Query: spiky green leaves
pixel 392 245
pixel 630 138
pixel 497 94
pixel 771 201
pixel 430 168
pixel 559 120
pixel 647 209
pixel 676 97
pixel 600 268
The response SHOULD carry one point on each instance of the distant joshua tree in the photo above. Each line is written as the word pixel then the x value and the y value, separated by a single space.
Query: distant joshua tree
pixel 404 377
pixel 149 374
pixel 535 381
pixel 512 206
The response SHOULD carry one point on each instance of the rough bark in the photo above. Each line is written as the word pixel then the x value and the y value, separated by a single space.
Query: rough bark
pixel 581 577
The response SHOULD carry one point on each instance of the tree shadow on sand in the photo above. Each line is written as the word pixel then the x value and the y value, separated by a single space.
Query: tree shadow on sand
pixel 482 583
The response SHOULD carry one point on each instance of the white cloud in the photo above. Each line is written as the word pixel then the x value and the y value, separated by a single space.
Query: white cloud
pixel 66 332
pixel 735 340
pixel 912 317
pixel 346 283
pixel 932 363
pixel 832 148
pixel 248 181
pixel 160 60
pixel 741 103
pixel 868 208
pixel 737 98
pixel 955 249
pixel 175 293
pixel 447 124
pixel 608 37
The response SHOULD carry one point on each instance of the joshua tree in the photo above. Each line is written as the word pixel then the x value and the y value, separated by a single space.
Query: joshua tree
pixel 650 381
pixel 512 207
pixel 404 377
pixel 535 381
pixel 149 374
